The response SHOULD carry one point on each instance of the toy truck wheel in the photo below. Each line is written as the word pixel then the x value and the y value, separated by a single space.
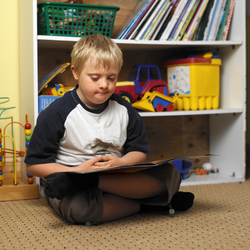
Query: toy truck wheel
pixel 126 96
pixel 159 108
pixel 170 107
pixel 60 92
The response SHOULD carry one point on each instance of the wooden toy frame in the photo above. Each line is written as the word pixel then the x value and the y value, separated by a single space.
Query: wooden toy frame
pixel 15 189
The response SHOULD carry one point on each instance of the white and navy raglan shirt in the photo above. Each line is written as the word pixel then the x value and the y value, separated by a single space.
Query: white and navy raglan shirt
pixel 69 133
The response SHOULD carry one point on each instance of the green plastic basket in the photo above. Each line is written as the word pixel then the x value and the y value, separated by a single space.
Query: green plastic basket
pixel 64 19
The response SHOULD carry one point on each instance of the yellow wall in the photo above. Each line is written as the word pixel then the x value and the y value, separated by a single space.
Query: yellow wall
pixel 9 65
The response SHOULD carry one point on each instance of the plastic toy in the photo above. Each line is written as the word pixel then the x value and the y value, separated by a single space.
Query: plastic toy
pixel 142 78
pixel 183 167
pixel 58 90
pixel 43 82
pixel 156 102
pixel 49 94
pixel 197 79
pixel 201 171
pixel 208 166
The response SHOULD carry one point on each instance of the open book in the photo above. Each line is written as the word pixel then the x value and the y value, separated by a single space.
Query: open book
pixel 132 168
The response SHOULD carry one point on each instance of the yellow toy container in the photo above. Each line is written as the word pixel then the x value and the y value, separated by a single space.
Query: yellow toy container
pixel 197 80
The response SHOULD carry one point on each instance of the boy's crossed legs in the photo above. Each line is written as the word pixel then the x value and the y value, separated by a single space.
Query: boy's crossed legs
pixel 121 192
pixel 121 189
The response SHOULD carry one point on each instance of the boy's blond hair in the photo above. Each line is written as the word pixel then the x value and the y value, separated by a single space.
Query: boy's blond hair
pixel 103 50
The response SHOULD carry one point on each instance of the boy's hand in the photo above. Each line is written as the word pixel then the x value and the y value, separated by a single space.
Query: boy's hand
pixel 108 161
pixel 87 166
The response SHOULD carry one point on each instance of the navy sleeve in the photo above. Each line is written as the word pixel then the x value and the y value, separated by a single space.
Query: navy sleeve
pixel 136 134
pixel 48 131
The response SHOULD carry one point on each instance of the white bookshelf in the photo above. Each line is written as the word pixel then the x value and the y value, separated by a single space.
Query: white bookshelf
pixel 227 128
pixel 68 42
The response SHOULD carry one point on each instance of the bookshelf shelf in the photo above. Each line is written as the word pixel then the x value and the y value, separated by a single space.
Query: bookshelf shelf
pixel 227 125
pixel 209 179
pixel 196 112
pixel 170 44
pixel 68 42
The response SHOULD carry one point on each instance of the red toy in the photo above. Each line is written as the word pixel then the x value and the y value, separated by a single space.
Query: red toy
pixel 142 78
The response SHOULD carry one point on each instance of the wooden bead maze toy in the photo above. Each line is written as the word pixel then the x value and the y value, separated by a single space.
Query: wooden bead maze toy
pixel 13 183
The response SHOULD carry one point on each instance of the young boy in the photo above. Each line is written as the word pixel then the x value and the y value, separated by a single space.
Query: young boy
pixel 90 128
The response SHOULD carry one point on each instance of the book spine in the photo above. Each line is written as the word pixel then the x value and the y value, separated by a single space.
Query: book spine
pixel 161 22
pixel 155 21
pixel 216 22
pixel 158 20
pixel 150 19
pixel 171 36
pixel 143 21
pixel 136 23
pixel 188 20
pixel 209 21
pixel 204 21
pixel 192 21
pixel 224 38
pixel 139 17
pixel 174 4
pixel 212 19
pixel 223 20
pixel 218 26
pixel 147 18
pixel 174 19
pixel 183 18
pixel 170 20
pixel 134 20
pixel 160 29
pixel 197 21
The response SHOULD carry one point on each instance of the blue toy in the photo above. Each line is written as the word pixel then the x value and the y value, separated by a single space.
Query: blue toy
pixel 183 167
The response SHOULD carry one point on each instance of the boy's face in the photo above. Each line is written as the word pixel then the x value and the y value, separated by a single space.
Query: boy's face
pixel 96 84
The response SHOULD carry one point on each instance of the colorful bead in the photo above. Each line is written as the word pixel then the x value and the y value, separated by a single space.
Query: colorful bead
pixel 27 137
pixel 30 180
pixel 27 126
pixel 27 131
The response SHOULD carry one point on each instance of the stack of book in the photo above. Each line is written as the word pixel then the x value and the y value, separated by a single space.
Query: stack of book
pixel 179 20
